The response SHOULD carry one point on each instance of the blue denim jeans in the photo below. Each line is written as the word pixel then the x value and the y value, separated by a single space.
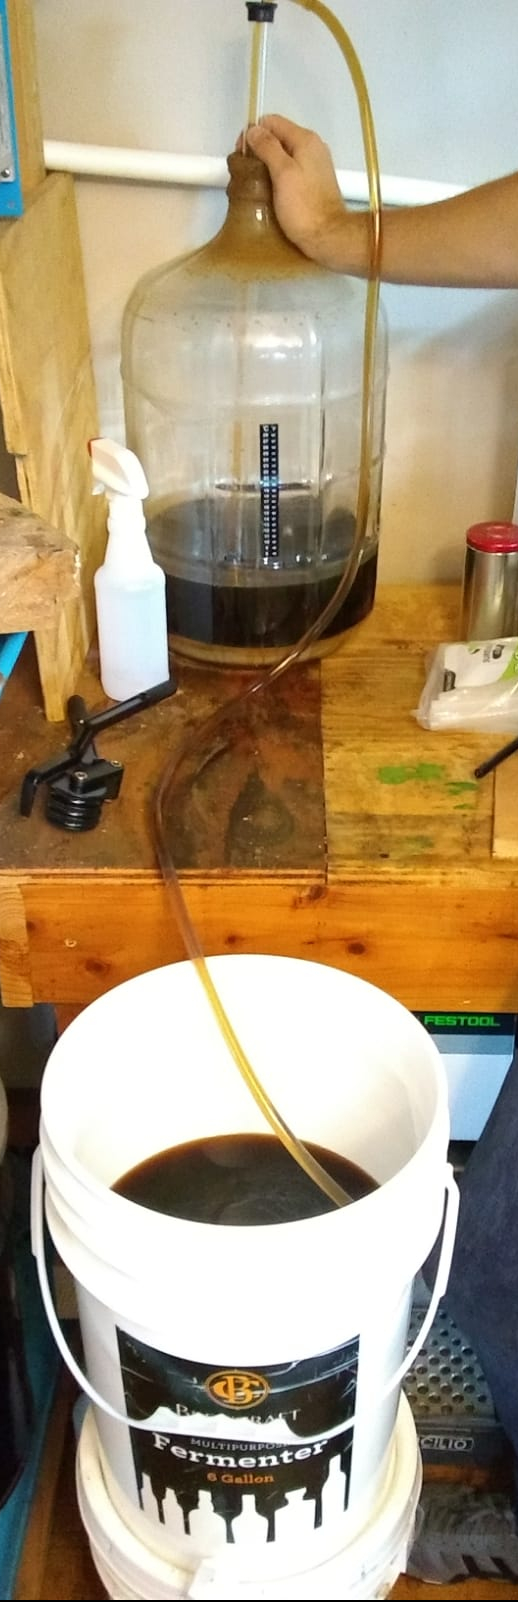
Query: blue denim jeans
pixel 482 1293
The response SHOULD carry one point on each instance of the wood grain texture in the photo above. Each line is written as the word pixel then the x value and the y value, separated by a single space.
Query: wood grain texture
pixel 29 135
pixel 446 950
pixel 16 984
pixel 505 828
pixel 39 570
pixel 409 1590
pixel 397 795
pixel 336 830
pixel 251 796
pixel 47 399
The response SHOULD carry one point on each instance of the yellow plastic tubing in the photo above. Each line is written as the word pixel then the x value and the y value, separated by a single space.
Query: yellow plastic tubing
pixel 213 735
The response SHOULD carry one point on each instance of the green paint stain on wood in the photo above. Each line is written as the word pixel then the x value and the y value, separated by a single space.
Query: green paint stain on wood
pixel 427 771
pixel 424 773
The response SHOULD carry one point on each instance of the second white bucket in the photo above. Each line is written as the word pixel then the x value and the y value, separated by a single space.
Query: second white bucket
pixel 260 1366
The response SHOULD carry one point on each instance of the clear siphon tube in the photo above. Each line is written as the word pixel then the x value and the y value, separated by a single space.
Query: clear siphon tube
pixel 258 58
pixel 213 727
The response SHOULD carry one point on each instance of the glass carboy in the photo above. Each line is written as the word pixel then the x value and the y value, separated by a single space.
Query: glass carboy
pixel 242 368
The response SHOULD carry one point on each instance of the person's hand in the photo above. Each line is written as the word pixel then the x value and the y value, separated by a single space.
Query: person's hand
pixel 307 199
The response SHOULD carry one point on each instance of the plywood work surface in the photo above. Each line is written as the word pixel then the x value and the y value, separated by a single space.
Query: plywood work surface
pixel 323 822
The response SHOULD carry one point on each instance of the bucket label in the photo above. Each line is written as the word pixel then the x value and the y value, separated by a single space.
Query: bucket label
pixel 264 1450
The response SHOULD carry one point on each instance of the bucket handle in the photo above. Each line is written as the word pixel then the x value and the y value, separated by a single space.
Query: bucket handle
pixel 452 1199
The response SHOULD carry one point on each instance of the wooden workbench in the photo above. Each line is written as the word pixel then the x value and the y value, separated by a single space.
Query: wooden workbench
pixel 323 822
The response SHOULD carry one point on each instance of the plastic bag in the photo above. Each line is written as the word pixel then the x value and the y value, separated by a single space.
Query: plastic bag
pixel 472 686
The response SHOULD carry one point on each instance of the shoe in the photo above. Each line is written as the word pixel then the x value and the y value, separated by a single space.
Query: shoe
pixel 464 1533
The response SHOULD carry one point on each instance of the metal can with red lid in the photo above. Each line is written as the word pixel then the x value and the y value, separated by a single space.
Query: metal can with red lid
pixel 489 608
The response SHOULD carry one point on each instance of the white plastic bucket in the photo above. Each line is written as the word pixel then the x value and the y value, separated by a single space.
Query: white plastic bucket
pixel 276 1315
pixel 369 1567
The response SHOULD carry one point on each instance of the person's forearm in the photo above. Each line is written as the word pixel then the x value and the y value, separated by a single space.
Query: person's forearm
pixel 469 240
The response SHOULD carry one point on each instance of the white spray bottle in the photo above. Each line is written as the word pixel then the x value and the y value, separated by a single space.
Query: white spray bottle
pixel 129 587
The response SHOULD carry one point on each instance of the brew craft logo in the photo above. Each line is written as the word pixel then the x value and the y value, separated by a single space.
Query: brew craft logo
pixel 236 1388
pixel 241 1441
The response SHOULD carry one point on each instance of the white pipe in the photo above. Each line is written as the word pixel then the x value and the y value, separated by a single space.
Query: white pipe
pixel 211 172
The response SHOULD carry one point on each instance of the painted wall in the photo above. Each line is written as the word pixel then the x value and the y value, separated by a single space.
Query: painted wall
pixel 173 75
